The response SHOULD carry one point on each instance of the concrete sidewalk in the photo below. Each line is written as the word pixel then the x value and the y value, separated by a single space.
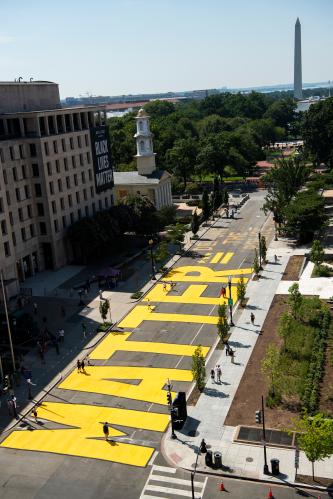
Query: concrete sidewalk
pixel 206 418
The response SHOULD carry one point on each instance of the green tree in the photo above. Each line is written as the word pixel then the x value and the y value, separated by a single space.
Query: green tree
pixel 182 157
pixel 222 323
pixel 295 300
pixel 198 368
pixel 317 253
pixel 317 132
pixel 304 215
pixel 270 368
pixel 263 248
pixel 206 206
pixel 176 234
pixel 161 252
pixel 315 437
pixel 256 266
pixel 104 308
pixel 282 112
pixel 195 224
pixel 241 290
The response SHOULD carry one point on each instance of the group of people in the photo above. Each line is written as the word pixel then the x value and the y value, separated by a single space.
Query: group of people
pixel 216 374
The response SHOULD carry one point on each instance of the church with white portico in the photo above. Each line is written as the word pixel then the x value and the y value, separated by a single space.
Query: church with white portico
pixel 147 180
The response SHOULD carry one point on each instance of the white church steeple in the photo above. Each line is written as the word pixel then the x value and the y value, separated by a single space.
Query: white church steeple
pixel 145 156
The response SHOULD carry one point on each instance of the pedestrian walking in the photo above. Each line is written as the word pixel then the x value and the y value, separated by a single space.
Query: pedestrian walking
pixel 14 406
pixel 164 287
pixel 219 373
pixel 275 258
pixel 100 294
pixel 106 430
pixel 232 355
pixel 150 308
pixel 34 412
pixel 84 330
pixel 252 318
pixel 227 349
pixel 82 367
pixel 212 375
pixel 35 307
pixel 78 365
pixel 61 335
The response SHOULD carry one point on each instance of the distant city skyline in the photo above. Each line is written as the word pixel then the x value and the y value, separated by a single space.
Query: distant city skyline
pixel 115 47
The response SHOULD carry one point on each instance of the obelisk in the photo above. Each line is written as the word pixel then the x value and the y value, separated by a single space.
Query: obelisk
pixel 298 62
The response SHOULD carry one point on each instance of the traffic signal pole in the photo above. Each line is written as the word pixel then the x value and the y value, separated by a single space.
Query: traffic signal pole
pixel 266 470
pixel 169 399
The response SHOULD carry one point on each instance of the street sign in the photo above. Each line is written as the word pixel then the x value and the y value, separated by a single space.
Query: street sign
pixel 296 458
pixel 230 301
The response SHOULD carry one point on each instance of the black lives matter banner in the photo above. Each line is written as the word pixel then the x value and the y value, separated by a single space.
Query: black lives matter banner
pixel 100 146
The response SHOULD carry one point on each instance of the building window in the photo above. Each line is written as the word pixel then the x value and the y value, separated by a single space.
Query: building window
pixel 6 248
pixel 27 192
pixel 75 179
pixel 20 213
pixel 4 173
pixel 70 202
pixel 23 234
pixel 73 161
pixel 56 226
pixel 11 219
pixel 86 209
pixel 100 204
pixel 83 177
pixel 111 200
pixel 24 171
pixel 86 138
pixel 15 174
pixel 79 215
pixel 1 205
pixel 59 184
pixel 57 166
pixel 77 194
pixel 14 238
pixel 85 194
pixel 11 153
pixel 106 202
pixel 64 222
pixel 1 155
pixel 35 170
pixel 93 208
pixel 21 148
pixel 51 187
pixel 71 143
pixel 55 146
pixel 18 194
pixel 32 230
pixel 88 157
pixel 42 228
pixel 40 209
pixel 63 143
pixel 3 227
pixel 46 148
pixel 66 164
pixel 8 198
pixel 92 191
pixel 38 190
pixel 62 203
pixel 54 207
pixel 71 215
pixel 81 160
pixel 79 142
pixel 68 183
pixel 29 211
pixel 49 168
pixel 33 152
pixel 90 174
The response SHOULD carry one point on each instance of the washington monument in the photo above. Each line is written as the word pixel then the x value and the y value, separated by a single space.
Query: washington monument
pixel 298 62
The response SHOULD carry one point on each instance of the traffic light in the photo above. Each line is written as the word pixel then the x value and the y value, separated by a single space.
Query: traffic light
pixel 169 398
pixel 258 417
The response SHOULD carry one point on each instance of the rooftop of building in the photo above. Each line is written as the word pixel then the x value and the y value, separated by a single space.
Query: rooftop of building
pixel 134 178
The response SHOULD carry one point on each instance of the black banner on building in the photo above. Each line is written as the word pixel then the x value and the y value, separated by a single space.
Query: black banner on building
pixel 101 153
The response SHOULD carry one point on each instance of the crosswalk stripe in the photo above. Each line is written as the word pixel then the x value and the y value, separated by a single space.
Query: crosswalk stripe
pixel 226 258
pixel 216 258
pixel 163 468
pixel 168 490
pixel 178 481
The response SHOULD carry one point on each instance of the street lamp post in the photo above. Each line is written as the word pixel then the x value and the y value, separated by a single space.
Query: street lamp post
pixel 230 301
pixel 266 470
pixel 151 242
pixel 259 237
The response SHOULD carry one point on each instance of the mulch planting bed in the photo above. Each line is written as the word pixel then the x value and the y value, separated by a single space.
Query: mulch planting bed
pixel 308 480
pixel 253 385
pixel 293 268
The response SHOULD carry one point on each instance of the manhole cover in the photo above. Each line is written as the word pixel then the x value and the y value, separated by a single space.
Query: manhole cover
pixel 249 459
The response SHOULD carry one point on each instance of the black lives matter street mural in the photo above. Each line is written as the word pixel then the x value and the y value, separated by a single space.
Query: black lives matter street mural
pixel 103 169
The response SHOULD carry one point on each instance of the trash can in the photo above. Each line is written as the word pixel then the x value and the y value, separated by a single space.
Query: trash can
pixel 275 464
pixel 209 458
pixel 218 459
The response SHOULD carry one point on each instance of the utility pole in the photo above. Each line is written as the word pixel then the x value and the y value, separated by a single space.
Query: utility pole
pixel 266 470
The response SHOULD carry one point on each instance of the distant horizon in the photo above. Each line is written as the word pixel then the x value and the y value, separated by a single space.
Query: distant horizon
pixel 122 47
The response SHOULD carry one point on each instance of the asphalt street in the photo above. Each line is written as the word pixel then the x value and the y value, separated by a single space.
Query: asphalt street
pixel 227 246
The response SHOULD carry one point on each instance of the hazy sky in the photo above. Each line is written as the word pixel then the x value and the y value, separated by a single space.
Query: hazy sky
pixel 111 47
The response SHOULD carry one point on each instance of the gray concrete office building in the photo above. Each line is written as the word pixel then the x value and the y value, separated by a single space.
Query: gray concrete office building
pixel 47 177
pixel 298 93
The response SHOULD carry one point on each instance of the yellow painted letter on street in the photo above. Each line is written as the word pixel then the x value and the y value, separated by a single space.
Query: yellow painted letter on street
pixel 191 295
pixel 205 274
pixel 118 342
pixel 104 380
pixel 85 438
